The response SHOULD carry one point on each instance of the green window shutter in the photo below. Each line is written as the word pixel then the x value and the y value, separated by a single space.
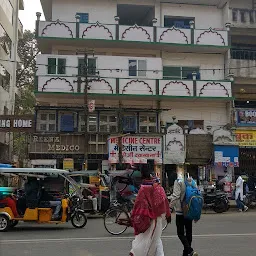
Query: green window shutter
pixel 81 67
pixel 171 72
pixel 92 66
pixel 51 66
pixel 61 66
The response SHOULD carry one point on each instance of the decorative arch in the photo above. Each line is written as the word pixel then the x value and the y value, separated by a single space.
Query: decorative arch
pixel 133 86
pixel 57 28
pixel 100 86
pixel 173 35
pixel 175 89
pixel 137 33
pixel 213 89
pixel 206 37
pixel 57 84
pixel 98 31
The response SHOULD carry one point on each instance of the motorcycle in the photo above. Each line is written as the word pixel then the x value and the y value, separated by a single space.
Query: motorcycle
pixel 217 201
pixel 75 212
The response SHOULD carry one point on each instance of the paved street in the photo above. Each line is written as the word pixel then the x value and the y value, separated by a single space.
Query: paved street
pixel 225 235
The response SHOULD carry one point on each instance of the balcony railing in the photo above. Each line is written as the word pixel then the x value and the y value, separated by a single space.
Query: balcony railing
pixel 243 54
pixel 243 63
pixel 243 17
pixel 138 87
pixel 116 32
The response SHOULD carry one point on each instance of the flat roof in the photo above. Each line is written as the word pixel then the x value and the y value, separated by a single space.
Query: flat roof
pixel 33 170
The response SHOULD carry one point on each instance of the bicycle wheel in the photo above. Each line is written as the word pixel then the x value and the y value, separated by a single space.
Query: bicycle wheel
pixel 116 221
pixel 164 224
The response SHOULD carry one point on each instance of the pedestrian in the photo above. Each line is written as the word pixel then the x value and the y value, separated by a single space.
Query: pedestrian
pixel 239 195
pixel 150 207
pixel 184 225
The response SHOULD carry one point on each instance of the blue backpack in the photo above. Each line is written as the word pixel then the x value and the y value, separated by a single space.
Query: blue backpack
pixel 193 202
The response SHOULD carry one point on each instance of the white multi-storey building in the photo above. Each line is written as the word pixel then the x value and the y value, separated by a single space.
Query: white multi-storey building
pixel 152 60
pixel 10 30
pixel 242 64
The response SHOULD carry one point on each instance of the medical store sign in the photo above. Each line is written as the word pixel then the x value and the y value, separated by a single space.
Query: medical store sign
pixel 136 149
pixel 246 117
pixel 226 156
pixel 14 123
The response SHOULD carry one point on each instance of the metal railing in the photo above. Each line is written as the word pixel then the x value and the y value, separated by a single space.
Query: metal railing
pixel 243 16
pixel 243 54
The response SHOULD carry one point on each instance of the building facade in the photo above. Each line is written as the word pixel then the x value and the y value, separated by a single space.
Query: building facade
pixel 148 64
pixel 10 30
pixel 242 64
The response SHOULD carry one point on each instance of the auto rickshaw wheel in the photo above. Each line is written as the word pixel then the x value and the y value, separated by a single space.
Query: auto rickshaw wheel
pixel 79 220
pixel 4 223
pixel 13 223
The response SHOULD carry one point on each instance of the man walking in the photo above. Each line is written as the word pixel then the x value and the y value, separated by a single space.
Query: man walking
pixel 184 226
pixel 239 195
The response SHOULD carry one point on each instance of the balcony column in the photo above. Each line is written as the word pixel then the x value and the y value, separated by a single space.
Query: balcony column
pixel 194 83
pixel 192 29
pixel 157 86
pixel 38 15
pixel 228 25
pixel 117 27
pixel 117 86
pixel 77 25
pixel 154 21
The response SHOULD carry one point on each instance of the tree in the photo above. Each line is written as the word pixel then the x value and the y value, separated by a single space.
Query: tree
pixel 25 99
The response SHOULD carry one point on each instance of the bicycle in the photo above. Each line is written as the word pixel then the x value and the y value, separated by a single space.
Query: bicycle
pixel 118 218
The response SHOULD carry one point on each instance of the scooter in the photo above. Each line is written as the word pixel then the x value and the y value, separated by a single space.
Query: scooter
pixel 217 201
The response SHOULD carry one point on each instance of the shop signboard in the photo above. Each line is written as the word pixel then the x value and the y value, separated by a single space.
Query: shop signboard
pixel 15 123
pixel 226 156
pixel 246 138
pixel 246 117
pixel 68 164
pixel 57 144
pixel 136 149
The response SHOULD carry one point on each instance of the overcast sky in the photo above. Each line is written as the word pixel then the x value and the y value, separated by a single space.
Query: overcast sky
pixel 28 16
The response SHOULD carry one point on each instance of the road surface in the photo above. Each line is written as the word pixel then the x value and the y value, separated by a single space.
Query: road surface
pixel 216 234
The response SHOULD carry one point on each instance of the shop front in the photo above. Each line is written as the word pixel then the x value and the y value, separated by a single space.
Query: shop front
pixel 247 151
pixel 54 150
pixel 199 150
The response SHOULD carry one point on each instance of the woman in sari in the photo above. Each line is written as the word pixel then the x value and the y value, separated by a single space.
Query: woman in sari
pixel 150 207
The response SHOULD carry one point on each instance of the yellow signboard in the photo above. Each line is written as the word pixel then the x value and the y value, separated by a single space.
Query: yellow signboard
pixel 68 164
pixel 246 138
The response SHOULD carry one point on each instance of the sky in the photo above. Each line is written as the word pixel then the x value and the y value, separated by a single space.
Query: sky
pixel 28 16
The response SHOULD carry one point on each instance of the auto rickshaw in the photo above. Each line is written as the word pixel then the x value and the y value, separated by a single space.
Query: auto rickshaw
pixel 41 211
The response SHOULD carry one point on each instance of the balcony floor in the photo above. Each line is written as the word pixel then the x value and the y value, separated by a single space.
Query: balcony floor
pixel 46 43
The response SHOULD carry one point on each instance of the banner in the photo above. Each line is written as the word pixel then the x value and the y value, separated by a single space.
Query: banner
pixel 136 149
pixel 246 138
pixel 226 156
pixel 246 117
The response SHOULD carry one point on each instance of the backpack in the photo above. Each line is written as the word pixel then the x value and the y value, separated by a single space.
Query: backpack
pixel 193 202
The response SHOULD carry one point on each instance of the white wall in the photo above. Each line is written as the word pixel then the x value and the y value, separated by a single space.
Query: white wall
pixel 205 16
pixel 103 62
pixel 213 113
pixel 243 4
pixel 104 11
pixel 213 62
pixel 66 10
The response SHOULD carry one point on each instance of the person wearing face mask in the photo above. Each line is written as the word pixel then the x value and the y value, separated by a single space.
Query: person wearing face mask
pixel 184 225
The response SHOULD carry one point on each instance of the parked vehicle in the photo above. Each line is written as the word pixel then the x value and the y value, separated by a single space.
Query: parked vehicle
pixel 217 201
pixel 36 210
